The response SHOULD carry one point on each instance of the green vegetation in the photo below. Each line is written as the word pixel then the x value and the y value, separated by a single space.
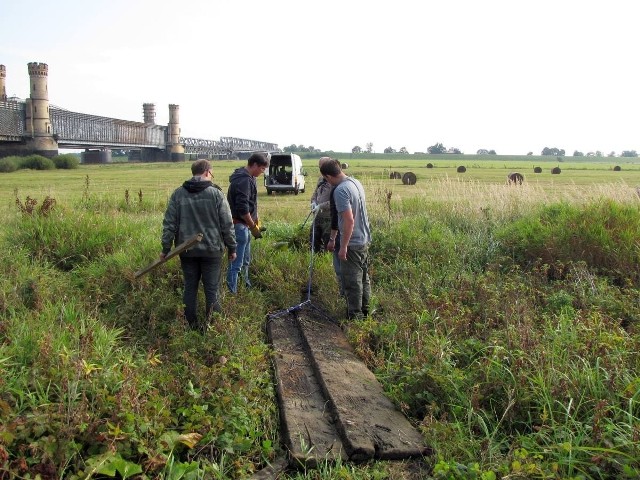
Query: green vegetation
pixel 38 162
pixel 505 324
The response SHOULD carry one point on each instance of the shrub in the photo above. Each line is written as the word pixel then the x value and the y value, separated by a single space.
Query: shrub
pixel 9 164
pixel 37 162
pixel 605 243
pixel 66 161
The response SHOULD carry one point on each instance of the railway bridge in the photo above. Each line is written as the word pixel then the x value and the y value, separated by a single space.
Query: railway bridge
pixel 36 126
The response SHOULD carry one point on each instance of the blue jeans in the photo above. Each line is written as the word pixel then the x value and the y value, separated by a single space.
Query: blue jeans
pixel 243 258
pixel 195 269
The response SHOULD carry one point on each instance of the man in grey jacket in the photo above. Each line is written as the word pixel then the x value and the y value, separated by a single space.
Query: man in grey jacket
pixel 199 206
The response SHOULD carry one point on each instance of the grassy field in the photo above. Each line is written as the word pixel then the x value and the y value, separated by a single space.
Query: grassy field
pixel 156 181
pixel 505 324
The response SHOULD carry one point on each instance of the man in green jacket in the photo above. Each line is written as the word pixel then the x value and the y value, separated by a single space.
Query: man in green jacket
pixel 199 206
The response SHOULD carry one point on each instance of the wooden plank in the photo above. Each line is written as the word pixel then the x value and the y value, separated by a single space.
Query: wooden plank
pixel 188 243
pixel 307 424
pixel 368 422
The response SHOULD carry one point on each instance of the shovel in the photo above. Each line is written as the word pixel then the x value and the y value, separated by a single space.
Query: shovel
pixel 190 242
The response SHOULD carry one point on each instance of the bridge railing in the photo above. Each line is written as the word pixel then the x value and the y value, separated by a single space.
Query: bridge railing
pixel 200 145
pixel 12 121
pixel 243 145
pixel 83 129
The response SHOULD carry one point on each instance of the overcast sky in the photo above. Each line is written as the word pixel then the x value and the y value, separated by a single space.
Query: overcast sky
pixel 510 75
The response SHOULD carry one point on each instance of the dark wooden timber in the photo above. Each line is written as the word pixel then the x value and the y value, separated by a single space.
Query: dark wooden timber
pixel 307 424
pixel 329 399
pixel 190 242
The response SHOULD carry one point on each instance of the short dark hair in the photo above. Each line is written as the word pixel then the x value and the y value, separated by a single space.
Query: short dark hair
pixel 258 158
pixel 200 167
pixel 332 168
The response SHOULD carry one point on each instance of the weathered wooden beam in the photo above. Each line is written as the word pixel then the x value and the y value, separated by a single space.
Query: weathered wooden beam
pixel 190 242
pixel 331 405
pixel 307 423
pixel 368 422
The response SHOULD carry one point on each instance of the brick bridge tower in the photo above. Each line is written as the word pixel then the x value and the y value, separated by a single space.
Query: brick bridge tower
pixel 174 148
pixel 38 123
pixel 3 88
pixel 149 112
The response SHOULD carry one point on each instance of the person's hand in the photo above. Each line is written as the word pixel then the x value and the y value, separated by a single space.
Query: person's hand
pixel 316 208
pixel 162 256
pixel 255 231
pixel 313 206
pixel 331 245
pixel 342 254
pixel 232 256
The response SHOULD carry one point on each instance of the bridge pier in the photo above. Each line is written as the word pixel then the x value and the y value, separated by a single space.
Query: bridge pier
pixel 96 156
pixel 153 155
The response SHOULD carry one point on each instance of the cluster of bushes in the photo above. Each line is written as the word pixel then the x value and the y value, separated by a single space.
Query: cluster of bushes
pixel 38 162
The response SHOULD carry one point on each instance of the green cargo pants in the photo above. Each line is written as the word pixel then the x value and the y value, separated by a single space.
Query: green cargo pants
pixel 355 280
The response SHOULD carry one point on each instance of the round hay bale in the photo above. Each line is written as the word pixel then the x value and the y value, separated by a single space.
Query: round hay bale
pixel 345 166
pixel 461 169
pixel 617 168
pixel 555 171
pixel 395 175
pixel 429 165
pixel 515 178
pixel 409 178
pixel 537 169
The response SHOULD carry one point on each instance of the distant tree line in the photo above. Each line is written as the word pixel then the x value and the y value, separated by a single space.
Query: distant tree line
pixel 439 148
pixel 300 148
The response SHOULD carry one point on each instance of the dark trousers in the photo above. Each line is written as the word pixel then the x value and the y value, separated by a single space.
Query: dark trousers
pixel 195 269
pixel 321 231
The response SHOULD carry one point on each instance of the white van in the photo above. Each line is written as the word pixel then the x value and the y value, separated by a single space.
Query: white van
pixel 285 174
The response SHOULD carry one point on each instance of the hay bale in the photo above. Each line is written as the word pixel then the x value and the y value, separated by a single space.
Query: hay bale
pixel 461 169
pixel 617 168
pixel 345 166
pixel 409 178
pixel 516 178
pixel 555 171
pixel 429 165
pixel 395 175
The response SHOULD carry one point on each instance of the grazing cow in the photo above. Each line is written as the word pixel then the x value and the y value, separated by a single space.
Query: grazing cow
pixel 515 178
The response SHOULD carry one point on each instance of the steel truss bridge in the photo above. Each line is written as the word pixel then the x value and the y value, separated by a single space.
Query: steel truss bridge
pixel 81 130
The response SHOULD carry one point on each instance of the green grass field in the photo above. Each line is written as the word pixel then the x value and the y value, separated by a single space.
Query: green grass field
pixel 156 181
pixel 505 324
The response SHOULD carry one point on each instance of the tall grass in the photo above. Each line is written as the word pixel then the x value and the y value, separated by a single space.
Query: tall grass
pixel 505 326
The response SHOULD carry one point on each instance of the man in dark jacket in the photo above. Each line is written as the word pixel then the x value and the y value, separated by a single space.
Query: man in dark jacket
pixel 243 200
pixel 199 206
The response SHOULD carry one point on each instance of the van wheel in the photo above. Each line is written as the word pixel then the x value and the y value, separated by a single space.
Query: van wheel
pixel 269 192
pixel 302 191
